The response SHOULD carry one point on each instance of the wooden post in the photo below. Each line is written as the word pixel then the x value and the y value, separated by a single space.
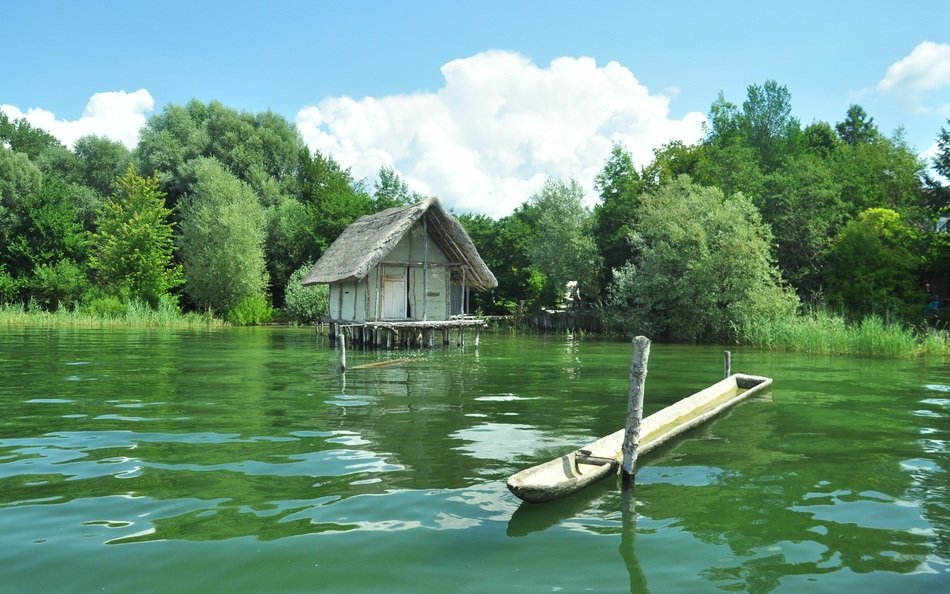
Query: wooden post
pixel 631 436
pixel 726 364
pixel 478 330
pixel 343 351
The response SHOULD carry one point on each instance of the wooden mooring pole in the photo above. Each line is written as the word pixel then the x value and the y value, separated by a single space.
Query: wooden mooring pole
pixel 631 436
pixel 726 364
pixel 343 351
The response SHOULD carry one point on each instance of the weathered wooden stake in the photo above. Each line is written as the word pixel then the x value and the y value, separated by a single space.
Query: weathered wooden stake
pixel 726 364
pixel 343 351
pixel 631 436
pixel 478 331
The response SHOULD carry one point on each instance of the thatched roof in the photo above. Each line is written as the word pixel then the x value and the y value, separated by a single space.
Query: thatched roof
pixel 369 239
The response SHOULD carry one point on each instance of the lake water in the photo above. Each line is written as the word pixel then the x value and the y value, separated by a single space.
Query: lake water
pixel 244 461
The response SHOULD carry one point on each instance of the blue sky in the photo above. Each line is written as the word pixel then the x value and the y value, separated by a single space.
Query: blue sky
pixel 476 102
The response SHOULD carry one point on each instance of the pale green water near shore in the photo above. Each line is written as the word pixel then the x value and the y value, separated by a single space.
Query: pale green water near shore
pixel 243 461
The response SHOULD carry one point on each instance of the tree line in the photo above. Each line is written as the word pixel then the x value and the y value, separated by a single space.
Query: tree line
pixel 223 211
pixel 761 217
pixel 214 210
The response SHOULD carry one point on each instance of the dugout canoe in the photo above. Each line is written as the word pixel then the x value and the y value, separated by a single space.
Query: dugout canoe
pixel 574 471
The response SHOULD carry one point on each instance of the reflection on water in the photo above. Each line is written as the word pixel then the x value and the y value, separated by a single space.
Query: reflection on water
pixel 244 460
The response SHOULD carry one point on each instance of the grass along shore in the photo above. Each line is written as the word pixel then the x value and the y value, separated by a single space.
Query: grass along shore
pixel 818 332
pixel 821 333
pixel 135 314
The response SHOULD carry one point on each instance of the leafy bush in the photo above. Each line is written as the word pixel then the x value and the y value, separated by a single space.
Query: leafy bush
pixel 8 287
pixel 63 283
pixel 701 270
pixel 106 306
pixel 255 309
pixel 305 305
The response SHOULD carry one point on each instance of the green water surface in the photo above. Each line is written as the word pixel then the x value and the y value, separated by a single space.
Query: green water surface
pixel 244 461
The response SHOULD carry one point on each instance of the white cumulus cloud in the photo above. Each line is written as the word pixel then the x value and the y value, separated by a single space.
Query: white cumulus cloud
pixel 499 125
pixel 116 115
pixel 926 69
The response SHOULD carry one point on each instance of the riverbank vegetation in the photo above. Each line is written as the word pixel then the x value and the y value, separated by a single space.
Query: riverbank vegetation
pixel 219 213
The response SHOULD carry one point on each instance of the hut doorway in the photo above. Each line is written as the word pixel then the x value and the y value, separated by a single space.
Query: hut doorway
pixel 395 293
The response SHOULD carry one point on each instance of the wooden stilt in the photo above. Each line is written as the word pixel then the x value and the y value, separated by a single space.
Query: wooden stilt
pixel 631 437
pixel 726 363
pixel 478 332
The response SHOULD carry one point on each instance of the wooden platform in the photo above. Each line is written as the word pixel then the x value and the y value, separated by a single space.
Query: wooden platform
pixel 410 333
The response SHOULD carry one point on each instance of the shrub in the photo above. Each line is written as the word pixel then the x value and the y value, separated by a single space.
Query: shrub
pixel 305 305
pixel 9 287
pixel 255 309
pixel 63 283
pixel 106 306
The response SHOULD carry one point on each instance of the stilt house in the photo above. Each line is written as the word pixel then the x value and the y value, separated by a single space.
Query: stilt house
pixel 409 264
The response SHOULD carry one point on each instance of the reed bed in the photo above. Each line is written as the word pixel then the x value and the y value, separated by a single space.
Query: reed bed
pixel 822 333
pixel 135 314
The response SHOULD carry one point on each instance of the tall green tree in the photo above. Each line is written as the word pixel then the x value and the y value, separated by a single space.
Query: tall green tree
pixel 857 127
pixel 20 181
pixel 390 190
pixel 872 268
pixel 221 238
pixel 262 150
pixel 133 248
pixel 563 248
pixel 802 204
pixel 332 198
pixel 703 268
pixel 24 138
pixel 101 162
pixel 618 184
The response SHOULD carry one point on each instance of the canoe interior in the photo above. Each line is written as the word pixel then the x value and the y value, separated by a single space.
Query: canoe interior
pixel 567 474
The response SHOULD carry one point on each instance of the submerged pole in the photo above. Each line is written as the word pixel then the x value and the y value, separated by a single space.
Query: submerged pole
pixel 726 364
pixel 631 436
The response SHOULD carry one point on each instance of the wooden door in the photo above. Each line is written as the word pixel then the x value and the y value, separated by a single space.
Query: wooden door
pixel 395 291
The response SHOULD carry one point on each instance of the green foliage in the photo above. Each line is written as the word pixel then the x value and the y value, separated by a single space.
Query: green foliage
pixel 250 310
pixel 857 127
pixel 261 150
pixel 702 268
pixel 563 247
pixel 822 333
pixel 390 190
pixel 765 126
pixel 289 242
pixel 50 229
pixel 58 285
pixel 871 269
pixel 615 217
pixel 802 204
pixel 332 199
pixel 221 238
pixel 105 306
pixel 115 314
pixel 100 163
pixel 23 138
pixel 305 305
pixel 9 287
pixel 134 246
pixel 20 180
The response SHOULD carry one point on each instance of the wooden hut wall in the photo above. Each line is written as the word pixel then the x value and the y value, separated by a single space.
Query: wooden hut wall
pixel 347 301
pixel 435 289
